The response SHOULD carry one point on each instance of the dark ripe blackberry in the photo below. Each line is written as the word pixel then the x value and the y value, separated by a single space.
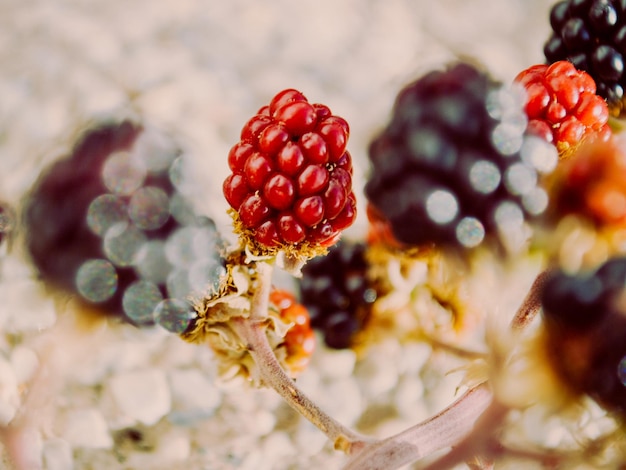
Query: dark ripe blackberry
pixel 110 223
pixel 336 291
pixel 448 168
pixel 586 326
pixel 591 34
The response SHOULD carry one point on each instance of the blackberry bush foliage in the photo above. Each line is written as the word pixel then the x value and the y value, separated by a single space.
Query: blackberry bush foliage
pixel 452 167
pixel 110 224
pixel 592 35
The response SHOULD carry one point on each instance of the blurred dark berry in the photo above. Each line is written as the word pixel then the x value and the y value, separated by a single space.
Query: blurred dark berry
pixel 109 223
pixel 336 291
pixel 447 168
pixel 585 320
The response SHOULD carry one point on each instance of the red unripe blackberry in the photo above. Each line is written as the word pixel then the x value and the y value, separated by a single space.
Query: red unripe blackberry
pixel 299 341
pixel 336 291
pixel 592 184
pixel 110 224
pixel 291 182
pixel 591 34
pixel 586 326
pixel 562 105
pixel 448 168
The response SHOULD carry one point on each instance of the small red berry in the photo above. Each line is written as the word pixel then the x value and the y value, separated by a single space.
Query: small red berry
pixel 313 179
pixel 343 177
pixel 273 138
pixel 298 117
pixel 284 97
pixel 322 111
pixel 266 234
pixel 235 190
pixel 335 198
pixel 253 211
pixel 335 136
pixel 254 127
pixel 314 147
pixel 290 159
pixel 290 229
pixel 238 155
pixel 310 210
pixel 279 191
pixel 256 170
pixel 346 216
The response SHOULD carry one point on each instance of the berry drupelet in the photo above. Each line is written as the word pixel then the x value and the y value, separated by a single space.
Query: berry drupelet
pixel 291 181
pixel 299 341
pixel 562 105
pixel 453 166
pixel 336 291
pixel 592 35
pixel 110 223
pixel 586 326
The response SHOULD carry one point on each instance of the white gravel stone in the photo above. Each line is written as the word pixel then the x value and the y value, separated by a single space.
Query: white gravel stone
pixel 25 363
pixel 143 395
pixel 194 396
pixel 9 392
pixel 87 428
pixel 58 455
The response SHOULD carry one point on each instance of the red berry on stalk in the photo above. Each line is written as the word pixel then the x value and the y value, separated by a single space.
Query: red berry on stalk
pixel 299 341
pixel 563 100
pixel 291 181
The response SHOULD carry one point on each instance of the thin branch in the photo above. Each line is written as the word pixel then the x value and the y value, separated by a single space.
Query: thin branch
pixel 252 332
pixel 445 429
pixel 532 303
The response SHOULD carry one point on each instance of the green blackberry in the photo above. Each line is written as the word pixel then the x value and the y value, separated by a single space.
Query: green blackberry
pixel 336 291
pixel 110 223
pixel 592 35
pixel 453 166
pixel 586 327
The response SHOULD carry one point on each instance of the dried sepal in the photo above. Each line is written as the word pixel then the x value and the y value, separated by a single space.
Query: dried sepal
pixel 217 314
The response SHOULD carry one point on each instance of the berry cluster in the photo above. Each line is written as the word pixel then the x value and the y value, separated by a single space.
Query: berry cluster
pixel 592 184
pixel 300 339
pixel 291 181
pixel 562 105
pixel 448 168
pixel 586 325
pixel 592 35
pixel 336 291
pixel 109 222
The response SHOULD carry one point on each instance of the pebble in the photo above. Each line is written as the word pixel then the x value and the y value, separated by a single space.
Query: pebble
pixel 87 428
pixel 143 395
pixel 58 455
pixel 194 396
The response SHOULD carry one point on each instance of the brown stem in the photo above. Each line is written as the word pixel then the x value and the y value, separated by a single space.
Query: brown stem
pixel 445 429
pixel 476 443
pixel 531 304
pixel 252 332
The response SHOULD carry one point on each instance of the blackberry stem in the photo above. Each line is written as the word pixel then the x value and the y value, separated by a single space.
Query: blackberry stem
pixel 252 331
pixel 531 304
pixel 449 427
